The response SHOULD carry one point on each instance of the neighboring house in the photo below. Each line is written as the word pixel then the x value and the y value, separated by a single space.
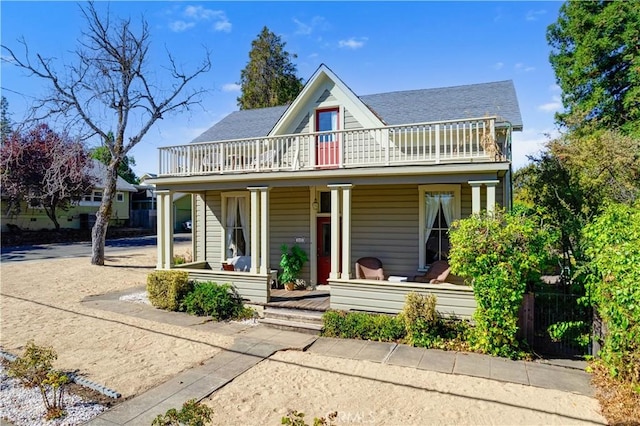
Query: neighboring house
pixel 344 177
pixel 81 215
pixel 143 207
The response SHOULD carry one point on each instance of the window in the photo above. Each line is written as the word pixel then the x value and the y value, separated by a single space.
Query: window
pixel 120 197
pixel 439 207
pixel 236 230
pixel 327 120
pixel 92 199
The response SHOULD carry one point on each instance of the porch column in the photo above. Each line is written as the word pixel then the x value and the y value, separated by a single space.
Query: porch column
pixel 475 196
pixel 255 229
pixel 165 229
pixel 335 231
pixel 346 232
pixel 491 195
pixel 160 229
pixel 264 230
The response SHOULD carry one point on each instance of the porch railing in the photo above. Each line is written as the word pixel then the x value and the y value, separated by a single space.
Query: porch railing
pixel 469 140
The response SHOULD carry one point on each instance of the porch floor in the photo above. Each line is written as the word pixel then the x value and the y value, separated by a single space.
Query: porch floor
pixel 312 300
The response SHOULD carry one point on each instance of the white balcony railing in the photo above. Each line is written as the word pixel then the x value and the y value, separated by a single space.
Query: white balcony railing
pixel 470 140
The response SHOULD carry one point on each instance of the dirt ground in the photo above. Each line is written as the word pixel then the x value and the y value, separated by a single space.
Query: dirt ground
pixel 41 300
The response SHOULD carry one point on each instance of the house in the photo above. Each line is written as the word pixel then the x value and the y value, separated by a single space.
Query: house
pixel 344 177
pixel 81 214
pixel 143 207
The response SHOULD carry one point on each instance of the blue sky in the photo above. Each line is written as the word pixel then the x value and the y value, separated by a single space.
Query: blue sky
pixel 373 47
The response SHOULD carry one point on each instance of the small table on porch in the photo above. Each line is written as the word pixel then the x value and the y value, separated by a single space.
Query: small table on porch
pixel 397 279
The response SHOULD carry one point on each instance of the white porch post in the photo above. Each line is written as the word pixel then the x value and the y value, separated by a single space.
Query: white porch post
pixel 346 232
pixel 160 219
pixel 264 230
pixel 255 229
pixel 491 195
pixel 475 196
pixel 335 231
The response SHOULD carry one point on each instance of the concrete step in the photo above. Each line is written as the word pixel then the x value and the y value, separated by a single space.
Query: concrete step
pixel 296 315
pixel 287 324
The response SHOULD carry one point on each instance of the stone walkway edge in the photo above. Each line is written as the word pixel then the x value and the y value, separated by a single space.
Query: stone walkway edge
pixel 254 344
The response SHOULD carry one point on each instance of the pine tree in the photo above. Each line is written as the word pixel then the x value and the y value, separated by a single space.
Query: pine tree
pixel 269 79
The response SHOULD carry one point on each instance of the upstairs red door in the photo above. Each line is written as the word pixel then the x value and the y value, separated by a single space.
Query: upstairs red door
pixel 324 249
pixel 327 144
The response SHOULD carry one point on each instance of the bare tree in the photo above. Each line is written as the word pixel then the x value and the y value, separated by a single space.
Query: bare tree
pixel 109 86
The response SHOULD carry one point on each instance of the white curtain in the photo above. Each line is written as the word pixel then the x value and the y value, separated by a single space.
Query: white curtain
pixel 432 204
pixel 446 200
pixel 244 222
pixel 232 208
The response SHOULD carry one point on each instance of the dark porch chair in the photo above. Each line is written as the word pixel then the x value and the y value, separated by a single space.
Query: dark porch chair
pixel 369 268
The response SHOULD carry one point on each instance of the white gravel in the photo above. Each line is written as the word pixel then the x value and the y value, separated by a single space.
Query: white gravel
pixel 140 297
pixel 24 407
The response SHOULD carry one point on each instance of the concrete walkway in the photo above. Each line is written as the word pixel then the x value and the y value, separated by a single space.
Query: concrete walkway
pixel 255 343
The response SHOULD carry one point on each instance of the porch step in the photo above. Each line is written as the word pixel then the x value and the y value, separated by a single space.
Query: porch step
pixel 302 320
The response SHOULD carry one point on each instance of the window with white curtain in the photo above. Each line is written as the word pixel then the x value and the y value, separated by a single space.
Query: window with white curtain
pixel 439 207
pixel 236 229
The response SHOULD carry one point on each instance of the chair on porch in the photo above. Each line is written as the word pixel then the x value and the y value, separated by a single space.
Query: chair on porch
pixel 369 268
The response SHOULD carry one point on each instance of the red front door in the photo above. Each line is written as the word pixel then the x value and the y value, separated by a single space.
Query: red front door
pixel 327 143
pixel 324 249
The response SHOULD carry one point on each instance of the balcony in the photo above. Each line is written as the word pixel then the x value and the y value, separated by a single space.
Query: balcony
pixel 459 141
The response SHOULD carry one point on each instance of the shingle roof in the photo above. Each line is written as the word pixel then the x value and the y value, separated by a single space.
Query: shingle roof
pixel 448 103
pixel 248 123
pixel 394 108
pixel 99 172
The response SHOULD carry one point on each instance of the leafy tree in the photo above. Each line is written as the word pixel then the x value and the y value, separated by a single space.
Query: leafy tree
pixel 500 252
pixel 5 121
pixel 613 247
pixel 269 79
pixel 596 59
pixel 110 86
pixel 102 154
pixel 44 169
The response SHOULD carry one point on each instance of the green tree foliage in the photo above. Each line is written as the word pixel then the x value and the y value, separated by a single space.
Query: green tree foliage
pixel 102 154
pixel 575 177
pixel 269 79
pixel 596 59
pixel 500 253
pixel 613 248
pixel 5 121
pixel 43 168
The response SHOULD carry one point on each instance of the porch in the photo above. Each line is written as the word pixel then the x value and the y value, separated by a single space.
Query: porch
pixel 381 296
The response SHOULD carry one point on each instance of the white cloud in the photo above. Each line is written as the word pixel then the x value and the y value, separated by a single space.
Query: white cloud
pixel 498 65
pixel 529 142
pixel 302 28
pixel 555 88
pixel 194 14
pixel 306 28
pixel 180 26
pixel 231 87
pixel 520 66
pixel 553 106
pixel 352 43
pixel 223 25
pixel 533 15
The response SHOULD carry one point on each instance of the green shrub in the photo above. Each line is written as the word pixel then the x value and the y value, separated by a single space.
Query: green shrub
pixel 219 301
pixel 613 248
pixel 35 369
pixel 499 252
pixel 419 316
pixel 362 325
pixel 192 413
pixel 167 288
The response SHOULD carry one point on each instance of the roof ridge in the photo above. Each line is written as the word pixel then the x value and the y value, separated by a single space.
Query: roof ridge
pixel 438 88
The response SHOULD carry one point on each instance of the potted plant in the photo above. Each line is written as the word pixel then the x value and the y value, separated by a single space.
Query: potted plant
pixel 291 263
